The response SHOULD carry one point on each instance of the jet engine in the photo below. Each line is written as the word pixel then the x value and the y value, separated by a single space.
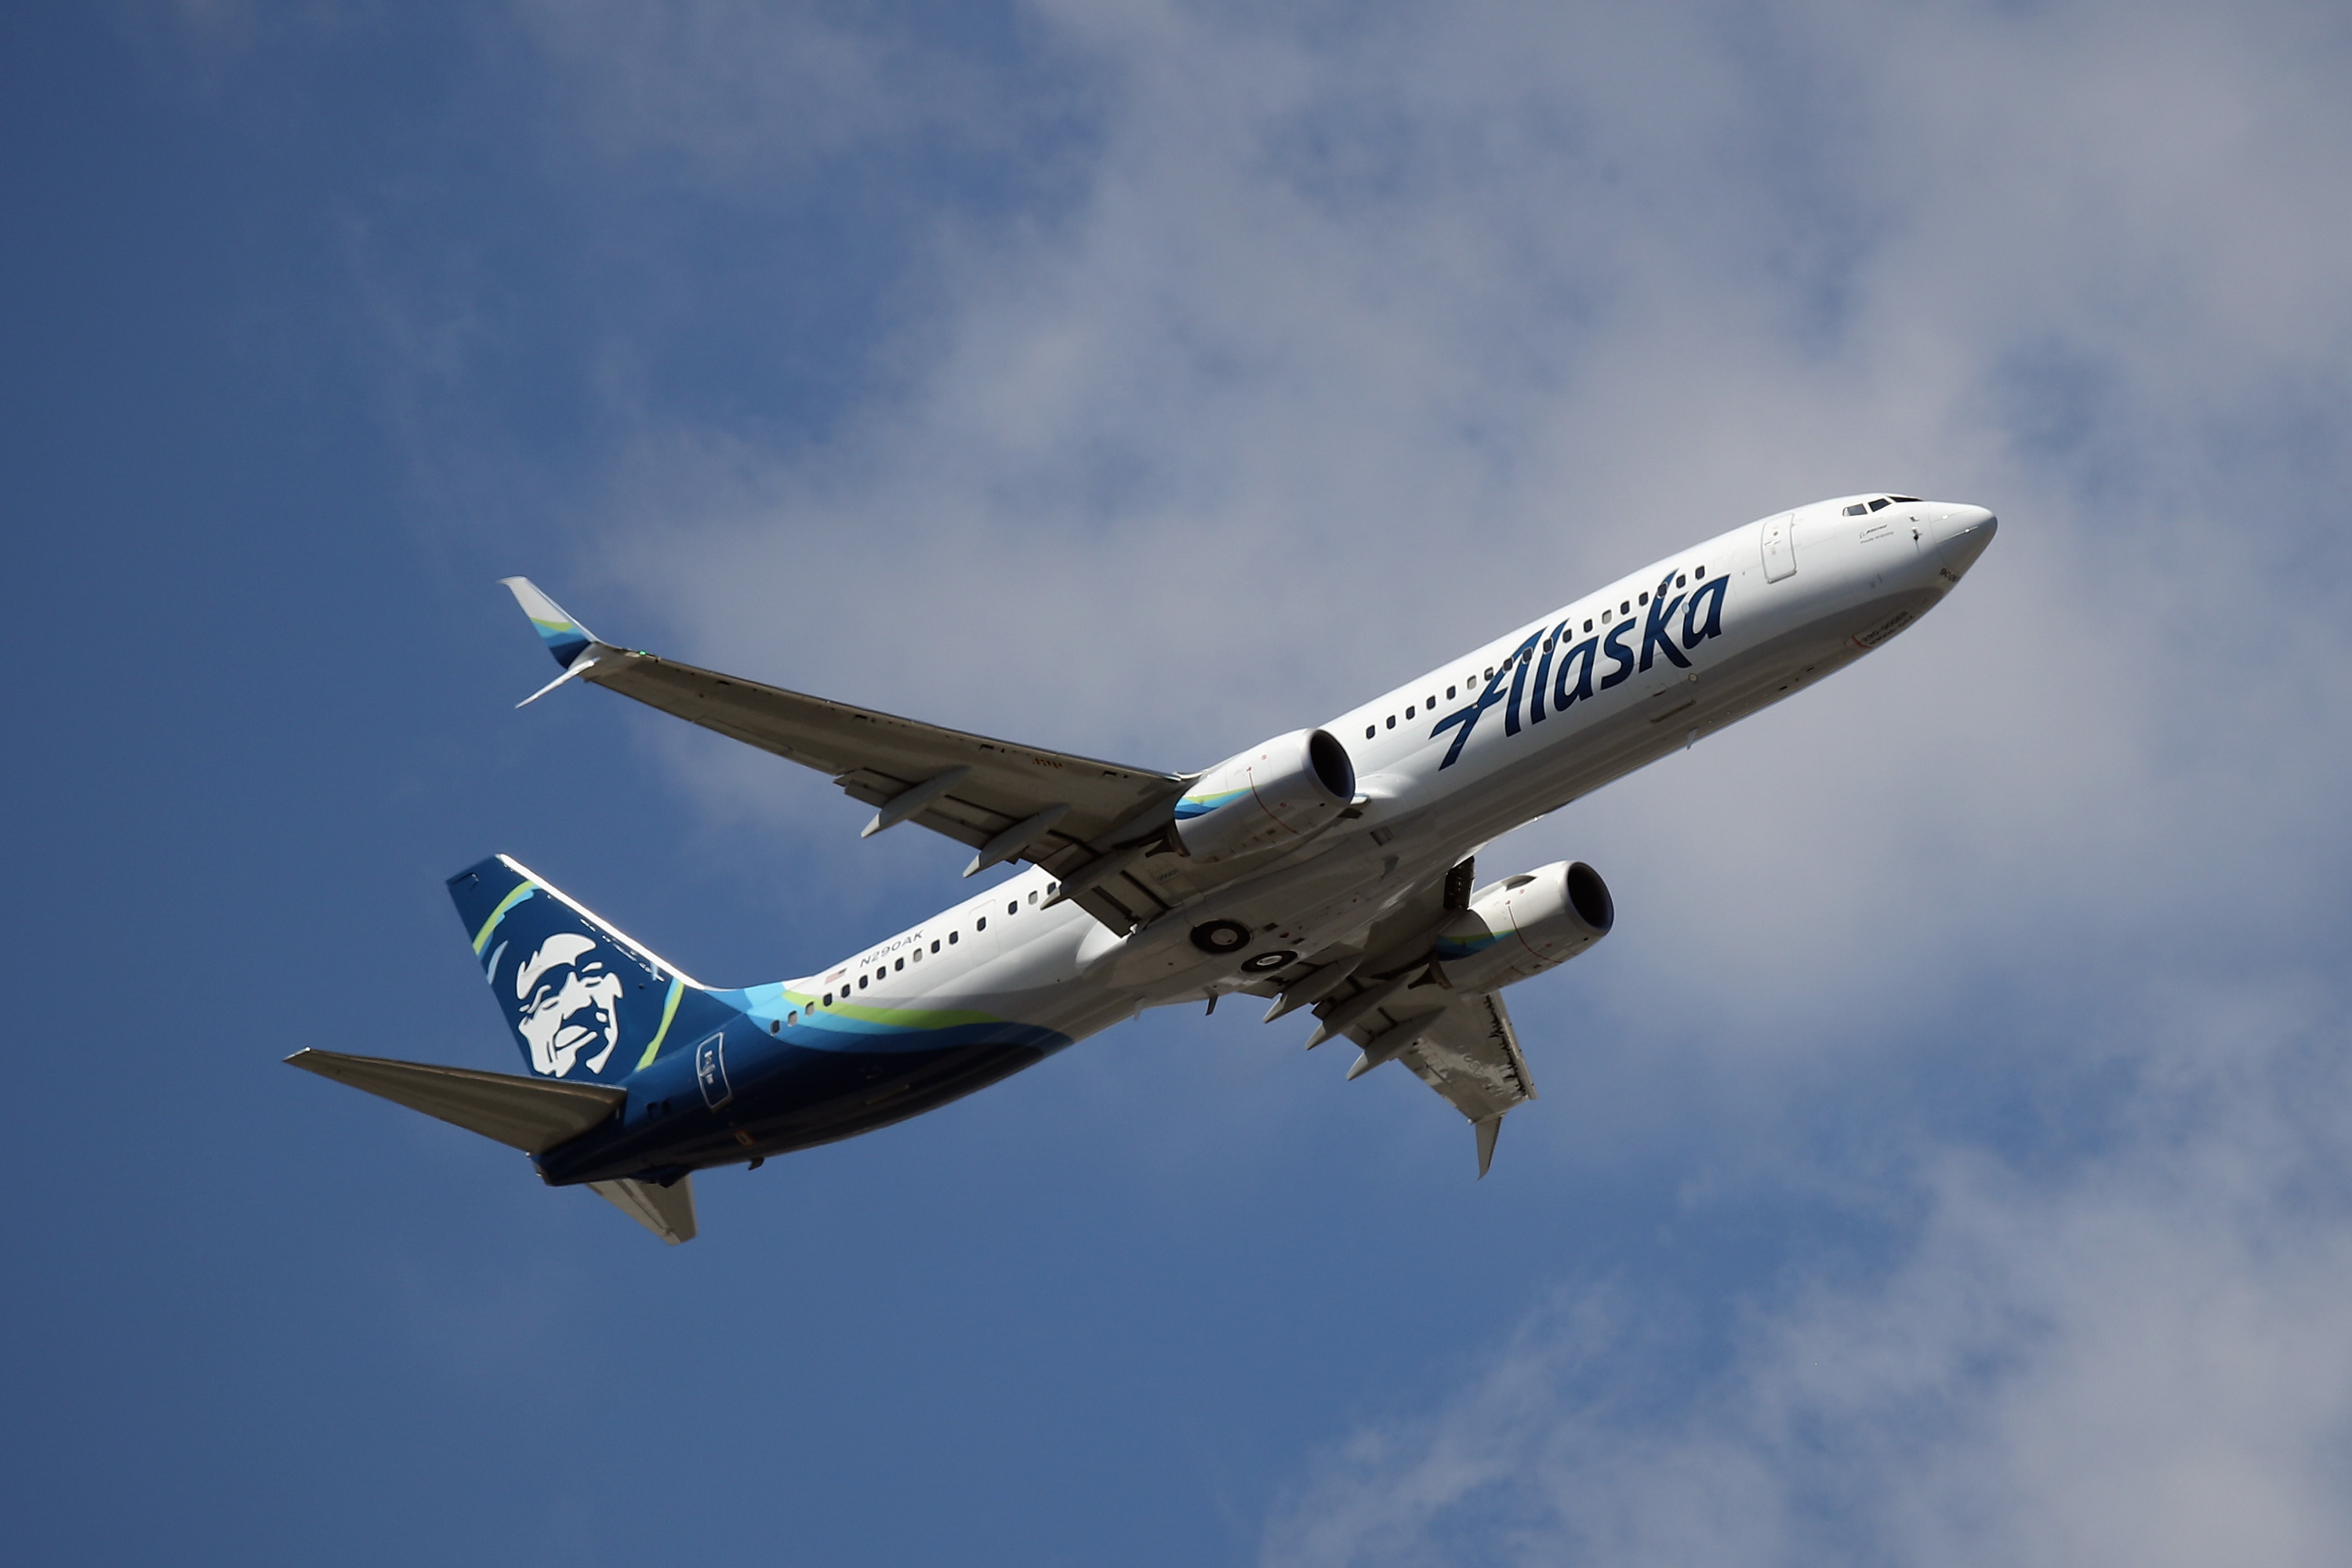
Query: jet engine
pixel 1523 925
pixel 1274 793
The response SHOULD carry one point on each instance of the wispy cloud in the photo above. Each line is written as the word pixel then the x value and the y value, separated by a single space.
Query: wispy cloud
pixel 1354 340
pixel 2138 1357
pixel 1334 340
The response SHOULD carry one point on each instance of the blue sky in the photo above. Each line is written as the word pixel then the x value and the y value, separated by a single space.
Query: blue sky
pixel 1945 1161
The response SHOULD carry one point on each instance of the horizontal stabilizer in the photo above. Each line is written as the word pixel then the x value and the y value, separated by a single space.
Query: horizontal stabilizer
pixel 531 1114
pixel 667 1211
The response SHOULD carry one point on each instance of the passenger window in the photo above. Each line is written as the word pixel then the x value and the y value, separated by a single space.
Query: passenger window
pixel 1700 573
pixel 792 1018
pixel 828 998
pixel 935 946
pixel 1032 895
pixel 1408 711
pixel 918 954
pixel 981 924
pixel 1370 731
pixel 1449 694
pixel 1678 580
pixel 1645 595
pixel 861 982
pixel 1490 672
pixel 1392 721
pixel 1624 609
pixel 1588 625
pixel 1604 621
pixel 1430 701
pixel 1014 908
pixel 901 964
pixel 953 937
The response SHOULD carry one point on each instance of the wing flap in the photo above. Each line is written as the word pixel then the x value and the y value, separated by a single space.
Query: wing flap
pixel 875 757
pixel 1467 1051
pixel 1470 1054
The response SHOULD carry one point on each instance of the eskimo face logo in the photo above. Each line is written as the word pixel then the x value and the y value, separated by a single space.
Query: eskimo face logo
pixel 570 1002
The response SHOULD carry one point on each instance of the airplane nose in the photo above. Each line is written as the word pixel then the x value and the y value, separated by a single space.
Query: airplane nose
pixel 1963 532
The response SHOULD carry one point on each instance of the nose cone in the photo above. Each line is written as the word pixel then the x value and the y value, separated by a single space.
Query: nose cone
pixel 1962 532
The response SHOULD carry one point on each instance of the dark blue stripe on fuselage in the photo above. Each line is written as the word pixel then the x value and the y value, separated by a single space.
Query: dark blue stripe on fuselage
pixel 783 1098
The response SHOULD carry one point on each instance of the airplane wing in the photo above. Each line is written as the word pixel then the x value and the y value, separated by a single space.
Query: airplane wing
pixel 1470 1054
pixel 1009 802
pixel 1466 1050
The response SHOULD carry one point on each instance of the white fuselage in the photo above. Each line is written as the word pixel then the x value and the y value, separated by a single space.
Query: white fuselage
pixel 1793 597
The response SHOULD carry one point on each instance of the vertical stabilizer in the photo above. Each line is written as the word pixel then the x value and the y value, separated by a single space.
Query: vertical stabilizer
pixel 586 1004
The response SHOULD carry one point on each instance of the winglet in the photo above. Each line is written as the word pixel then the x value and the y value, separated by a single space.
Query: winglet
pixel 1487 1129
pixel 566 638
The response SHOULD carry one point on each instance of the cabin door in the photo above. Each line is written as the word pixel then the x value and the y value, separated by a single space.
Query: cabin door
pixel 1780 546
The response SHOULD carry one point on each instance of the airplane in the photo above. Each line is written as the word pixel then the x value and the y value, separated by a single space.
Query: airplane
pixel 1330 869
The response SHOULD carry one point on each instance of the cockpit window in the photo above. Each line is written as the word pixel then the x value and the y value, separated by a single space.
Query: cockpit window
pixel 1880 504
pixel 1913 500
pixel 1856 509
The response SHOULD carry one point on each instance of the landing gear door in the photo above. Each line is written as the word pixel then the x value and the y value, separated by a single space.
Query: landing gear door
pixel 1780 546
pixel 711 1071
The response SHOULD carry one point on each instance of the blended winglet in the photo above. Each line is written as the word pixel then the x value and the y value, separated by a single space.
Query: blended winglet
pixel 575 647
pixel 565 638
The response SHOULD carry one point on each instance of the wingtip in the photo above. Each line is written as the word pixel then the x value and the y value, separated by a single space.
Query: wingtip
pixel 1486 1130
pixel 565 637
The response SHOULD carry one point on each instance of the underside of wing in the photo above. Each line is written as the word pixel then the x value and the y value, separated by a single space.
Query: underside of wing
pixel 1470 1054
pixel 1460 1044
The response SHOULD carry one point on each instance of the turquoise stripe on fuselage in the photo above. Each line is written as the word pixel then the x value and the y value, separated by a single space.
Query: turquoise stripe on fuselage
pixel 850 1026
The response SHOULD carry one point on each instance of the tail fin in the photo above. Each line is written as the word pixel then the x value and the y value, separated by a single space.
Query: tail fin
pixel 585 1003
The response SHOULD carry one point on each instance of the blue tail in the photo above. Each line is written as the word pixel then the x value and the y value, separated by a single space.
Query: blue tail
pixel 585 1003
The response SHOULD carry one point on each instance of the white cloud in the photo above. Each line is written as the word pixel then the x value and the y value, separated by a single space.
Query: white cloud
pixel 1360 340
pixel 2139 1358
pixel 727 92
pixel 1348 338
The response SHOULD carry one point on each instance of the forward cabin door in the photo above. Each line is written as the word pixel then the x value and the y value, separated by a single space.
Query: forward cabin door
pixel 1780 546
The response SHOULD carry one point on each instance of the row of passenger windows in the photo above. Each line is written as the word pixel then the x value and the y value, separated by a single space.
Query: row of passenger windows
pixel 953 938
pixel 1625 607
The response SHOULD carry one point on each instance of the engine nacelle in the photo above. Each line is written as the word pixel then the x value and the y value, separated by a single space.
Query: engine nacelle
pixel 1526 924
pixel 1274 793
